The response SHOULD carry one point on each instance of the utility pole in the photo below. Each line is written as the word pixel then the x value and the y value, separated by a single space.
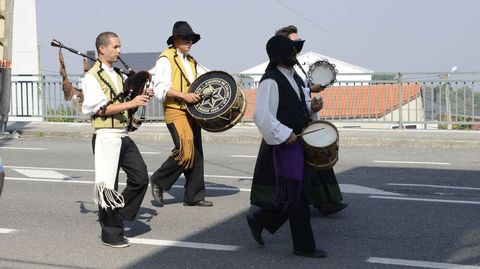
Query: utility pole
pixel 6 34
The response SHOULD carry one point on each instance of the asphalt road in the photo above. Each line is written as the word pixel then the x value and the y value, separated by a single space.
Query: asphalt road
pixel 408 208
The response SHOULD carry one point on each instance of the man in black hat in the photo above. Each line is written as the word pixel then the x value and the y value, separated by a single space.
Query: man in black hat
pixel 324 192
pixel 175 70
pixel 281 176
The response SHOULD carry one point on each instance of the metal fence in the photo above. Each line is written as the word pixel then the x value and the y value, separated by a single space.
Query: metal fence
pixel 401 100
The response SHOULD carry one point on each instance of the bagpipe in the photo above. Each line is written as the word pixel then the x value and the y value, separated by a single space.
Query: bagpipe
pixel 135 84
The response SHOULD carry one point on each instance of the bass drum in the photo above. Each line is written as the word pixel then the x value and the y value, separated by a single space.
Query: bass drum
pixel 222 105
pixel 321 144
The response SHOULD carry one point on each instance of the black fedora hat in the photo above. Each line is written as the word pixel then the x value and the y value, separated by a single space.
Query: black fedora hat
pixel 182 28
pixel 280 48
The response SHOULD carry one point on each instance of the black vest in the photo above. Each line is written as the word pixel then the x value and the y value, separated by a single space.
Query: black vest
pixel 292 111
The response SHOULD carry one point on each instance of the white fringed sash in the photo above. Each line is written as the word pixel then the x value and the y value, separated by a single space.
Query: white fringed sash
pixel 108 143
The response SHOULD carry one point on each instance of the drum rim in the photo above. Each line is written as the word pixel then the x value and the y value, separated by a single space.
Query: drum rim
pixel 321 121
pixel 189 107
pixel 330 65
pixel 231 124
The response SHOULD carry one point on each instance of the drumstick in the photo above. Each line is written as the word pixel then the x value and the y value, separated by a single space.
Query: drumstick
pixel 309 132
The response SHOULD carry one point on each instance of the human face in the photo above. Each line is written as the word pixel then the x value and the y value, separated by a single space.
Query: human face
pixel 110 53
pixel 293 36
pixel 183 44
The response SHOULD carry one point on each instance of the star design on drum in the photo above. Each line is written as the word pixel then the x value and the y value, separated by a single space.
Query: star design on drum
pixel 214 97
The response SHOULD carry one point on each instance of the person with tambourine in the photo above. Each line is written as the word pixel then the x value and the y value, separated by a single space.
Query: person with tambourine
pixel 112 147
pixel 324 192
pixel 280 178
pixel 175 70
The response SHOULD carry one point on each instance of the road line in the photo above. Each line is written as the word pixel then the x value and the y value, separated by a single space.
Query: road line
pixel 23 148
pixel 51 180
pixel 182 244
pixel 49 168
pixel 121 183
pixel 434 186
pixel 346 188
pixel 357 189
pixel 41 173
pixel 225 176
pixel 426 200
pixel 243 156
pixel 422 264
pixel 91 170
pixel 409 162
pixel 7 231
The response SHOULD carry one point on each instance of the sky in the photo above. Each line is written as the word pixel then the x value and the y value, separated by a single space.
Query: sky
pixel 380 35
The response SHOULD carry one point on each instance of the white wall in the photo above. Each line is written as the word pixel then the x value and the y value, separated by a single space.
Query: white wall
pixel 24 42
pixel 25 97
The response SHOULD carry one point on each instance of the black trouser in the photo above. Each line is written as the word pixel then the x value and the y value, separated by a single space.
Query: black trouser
pixel 132 163
pixel 170 171
pixel 300 227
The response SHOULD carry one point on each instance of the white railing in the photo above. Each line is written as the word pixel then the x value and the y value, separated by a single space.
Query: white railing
pixel 402 100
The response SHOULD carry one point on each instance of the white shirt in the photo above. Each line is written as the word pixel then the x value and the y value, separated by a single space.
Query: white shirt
pixel 266 106
pixel 94 98
pixel 162 80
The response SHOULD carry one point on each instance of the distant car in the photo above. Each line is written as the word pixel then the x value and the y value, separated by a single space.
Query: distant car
pixel 2 176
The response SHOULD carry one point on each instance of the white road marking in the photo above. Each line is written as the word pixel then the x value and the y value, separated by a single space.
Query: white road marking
pixel 51 180
pixel 50 168
pixel 346 188
pixel 409 162
pixel 243 156
pixel 22 148
pixel 182 244
pixel 434 186
pixel 41 173
pixel 7 231
pixel 426 200
pixel 92 171
pixel 423 264
pixel 357 189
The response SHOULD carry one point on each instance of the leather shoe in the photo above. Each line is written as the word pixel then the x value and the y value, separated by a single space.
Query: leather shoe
pixel 157 193
pixel 317 253
pixel 199 203
pixel 256 228
pixel 119 244
pixel 329 209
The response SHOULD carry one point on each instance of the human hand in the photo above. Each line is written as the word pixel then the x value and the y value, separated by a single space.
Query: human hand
pixel 140 100
pixel 190 97
pixel 317 104
pixel 316 88
pixel 291 139
pixel 149 92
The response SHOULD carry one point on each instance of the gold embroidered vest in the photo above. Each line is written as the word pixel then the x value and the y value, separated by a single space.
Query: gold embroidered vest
pixel 179 75
pixel 108 87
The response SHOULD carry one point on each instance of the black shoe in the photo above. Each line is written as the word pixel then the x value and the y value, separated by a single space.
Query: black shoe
pixel 256 228
pixel 120 244
pixel 199 203
pixel 329 209
pixel 317 253
pixel 157 193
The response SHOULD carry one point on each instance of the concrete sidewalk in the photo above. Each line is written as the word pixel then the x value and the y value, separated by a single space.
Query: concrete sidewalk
pixel 248 133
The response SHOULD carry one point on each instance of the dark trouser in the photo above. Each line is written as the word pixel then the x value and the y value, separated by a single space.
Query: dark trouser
pixel 170 171
pixel 132 163
pixel 300 227
pixel 324 188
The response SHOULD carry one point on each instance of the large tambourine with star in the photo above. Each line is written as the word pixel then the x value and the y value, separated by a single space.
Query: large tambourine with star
pixel 222 103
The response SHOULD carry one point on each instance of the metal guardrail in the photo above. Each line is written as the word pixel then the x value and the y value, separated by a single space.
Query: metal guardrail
pixel 386 100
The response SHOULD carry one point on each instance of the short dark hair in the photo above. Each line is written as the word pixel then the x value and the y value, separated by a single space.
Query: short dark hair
pixel 103 39
pixel 286 31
